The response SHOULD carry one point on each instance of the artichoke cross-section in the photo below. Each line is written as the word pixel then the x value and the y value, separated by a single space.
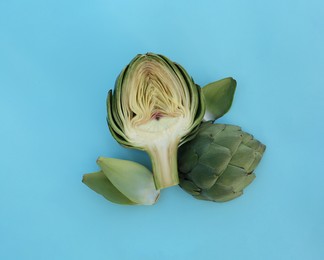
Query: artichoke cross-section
pixel 155 107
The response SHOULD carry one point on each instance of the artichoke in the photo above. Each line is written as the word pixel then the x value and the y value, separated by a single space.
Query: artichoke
pixel 219 162
pixel 155 107
pixel 123 182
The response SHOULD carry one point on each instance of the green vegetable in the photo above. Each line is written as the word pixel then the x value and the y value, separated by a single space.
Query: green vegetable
pixel 123 182
pixel 155 107
pixel 219 162
pixel 218 97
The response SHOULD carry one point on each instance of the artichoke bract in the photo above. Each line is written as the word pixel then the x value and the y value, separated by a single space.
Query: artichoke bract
pixel 155 107
pixel 218 98
pixel 219 162
pixel 123 182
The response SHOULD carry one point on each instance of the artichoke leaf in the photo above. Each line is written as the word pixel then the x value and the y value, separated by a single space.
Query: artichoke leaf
pixel 132 179
pixel 221 193
pixel 218 97
pixel 202 176
pixel 98 182
pixel 190 187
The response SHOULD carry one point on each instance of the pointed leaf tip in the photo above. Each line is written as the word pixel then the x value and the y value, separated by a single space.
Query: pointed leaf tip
pixel 218 97
pixel 99 183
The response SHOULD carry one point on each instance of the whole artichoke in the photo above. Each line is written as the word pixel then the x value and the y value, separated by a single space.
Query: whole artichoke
pixel 219 162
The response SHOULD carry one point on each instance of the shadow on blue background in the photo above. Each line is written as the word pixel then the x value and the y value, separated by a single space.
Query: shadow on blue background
pixel 58 59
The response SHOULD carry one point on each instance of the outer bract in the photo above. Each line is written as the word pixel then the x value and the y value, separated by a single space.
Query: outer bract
pixel 218 98
pixel 219 162
pixel 123 182
pixel 155 107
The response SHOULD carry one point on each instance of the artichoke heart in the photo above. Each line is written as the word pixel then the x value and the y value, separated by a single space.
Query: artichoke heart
pixel 155 107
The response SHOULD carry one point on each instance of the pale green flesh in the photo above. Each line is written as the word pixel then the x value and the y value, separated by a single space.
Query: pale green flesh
pixel 160 138
pixel 164 164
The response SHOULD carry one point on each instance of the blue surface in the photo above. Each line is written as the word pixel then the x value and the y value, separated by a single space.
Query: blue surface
pixel 58 59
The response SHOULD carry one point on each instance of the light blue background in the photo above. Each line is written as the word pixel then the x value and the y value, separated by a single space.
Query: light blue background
pixel 58 59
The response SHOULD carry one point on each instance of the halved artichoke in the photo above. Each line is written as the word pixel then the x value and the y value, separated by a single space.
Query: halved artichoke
pixel 155 107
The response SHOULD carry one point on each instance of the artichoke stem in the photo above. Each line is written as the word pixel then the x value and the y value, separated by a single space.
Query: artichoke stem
pixel 164 164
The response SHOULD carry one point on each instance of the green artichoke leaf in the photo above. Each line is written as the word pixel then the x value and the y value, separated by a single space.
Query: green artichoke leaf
pixel 220 193
pixel 130 178
pixel 187 163
pixel 155 107
pixel 244 157
pixel 202 176
pixel 235 177
pixel 217 157
pixel 190 187
pixel 218 97
pixel 99 183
